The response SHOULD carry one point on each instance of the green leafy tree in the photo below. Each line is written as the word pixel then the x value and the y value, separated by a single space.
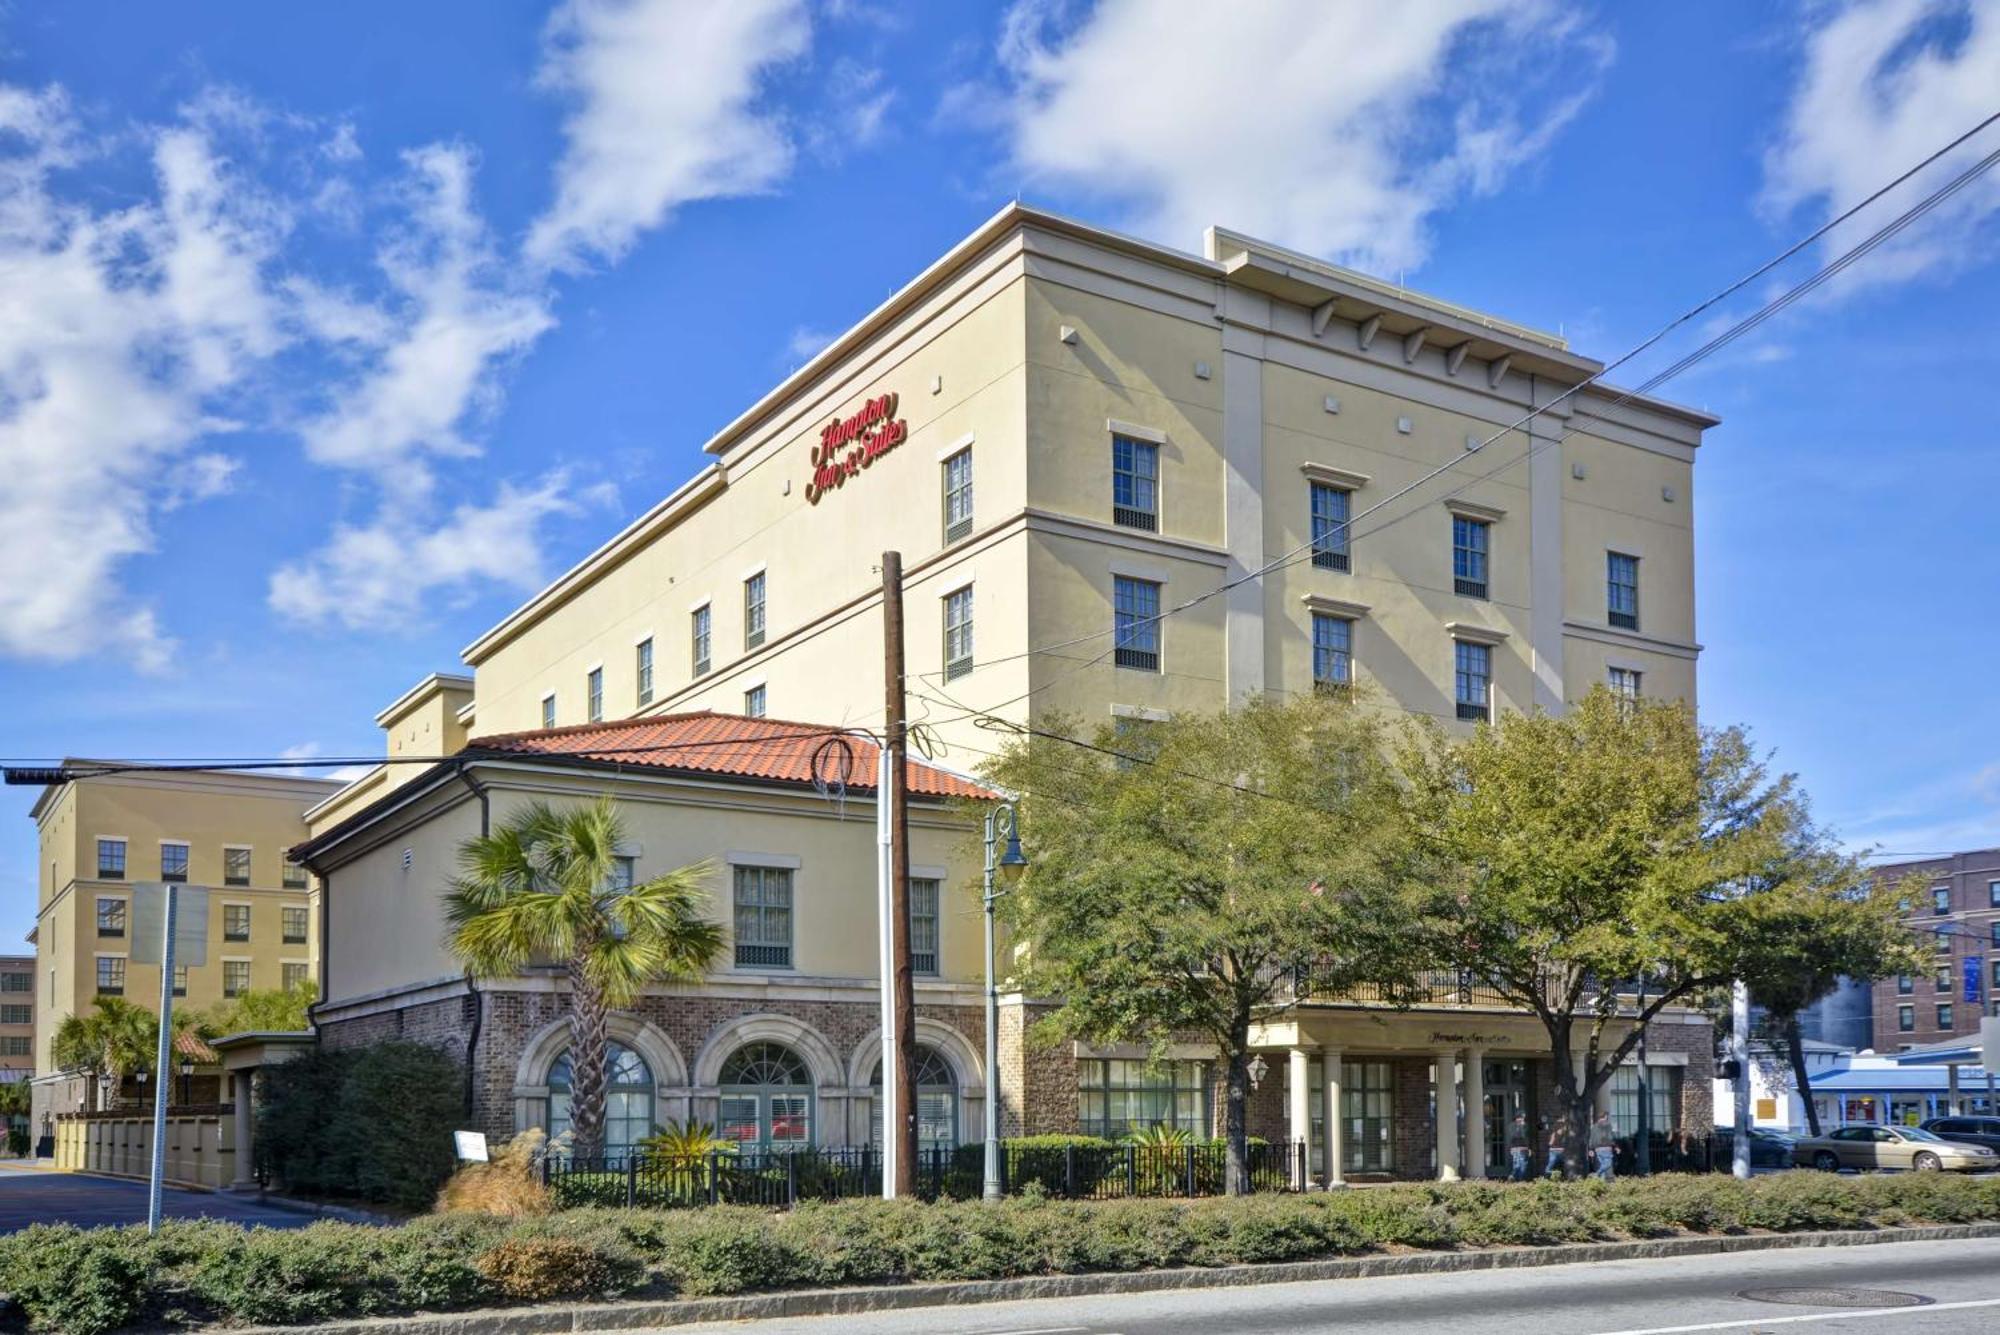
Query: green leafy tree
pixel 540 885
pixel 1572 855
pixel 268 1010
pixel 1183 880
pixel 1819 916
pixel 112 1041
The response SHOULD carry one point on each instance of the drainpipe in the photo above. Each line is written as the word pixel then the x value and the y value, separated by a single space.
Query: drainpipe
pixel 471 983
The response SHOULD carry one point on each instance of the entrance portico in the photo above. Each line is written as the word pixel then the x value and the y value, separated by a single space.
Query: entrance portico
pixel 1379 1093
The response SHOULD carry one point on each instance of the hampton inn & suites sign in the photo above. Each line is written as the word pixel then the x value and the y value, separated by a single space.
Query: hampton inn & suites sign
pixel 849 444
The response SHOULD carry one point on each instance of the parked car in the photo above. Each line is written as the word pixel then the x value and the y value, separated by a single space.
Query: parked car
pixel 1768 1148
pixel 1893 1147
pixel 1967 1130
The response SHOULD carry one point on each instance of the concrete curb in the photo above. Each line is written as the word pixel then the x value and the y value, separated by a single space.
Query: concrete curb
pixel 883 1298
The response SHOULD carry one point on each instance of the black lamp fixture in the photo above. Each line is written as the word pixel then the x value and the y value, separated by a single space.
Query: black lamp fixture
pixel 187 1079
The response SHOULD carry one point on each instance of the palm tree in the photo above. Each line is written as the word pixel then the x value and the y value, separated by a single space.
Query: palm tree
pixel 541 886
pixel 79 1046
pixel 114 1040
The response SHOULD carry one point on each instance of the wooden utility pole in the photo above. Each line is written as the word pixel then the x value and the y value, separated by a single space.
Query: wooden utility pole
pixel 896 727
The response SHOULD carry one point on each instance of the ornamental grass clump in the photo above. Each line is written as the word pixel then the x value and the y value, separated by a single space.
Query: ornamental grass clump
pixel 506 1185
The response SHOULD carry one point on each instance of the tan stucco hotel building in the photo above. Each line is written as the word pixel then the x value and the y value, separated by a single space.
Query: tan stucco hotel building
pixel 1065 432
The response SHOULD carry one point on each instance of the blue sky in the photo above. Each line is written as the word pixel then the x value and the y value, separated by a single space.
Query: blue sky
pixel 329 332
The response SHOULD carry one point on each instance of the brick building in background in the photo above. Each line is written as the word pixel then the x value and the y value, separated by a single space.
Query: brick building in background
pixel 1959 909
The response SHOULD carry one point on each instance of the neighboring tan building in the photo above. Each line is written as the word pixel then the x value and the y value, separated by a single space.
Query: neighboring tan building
pixel 105 833
pixel 17 1017
pixel 1068 434
pixel 1959 910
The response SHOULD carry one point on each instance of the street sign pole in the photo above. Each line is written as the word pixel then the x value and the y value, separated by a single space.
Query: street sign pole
pixel 160 1066
pixel 1739 1051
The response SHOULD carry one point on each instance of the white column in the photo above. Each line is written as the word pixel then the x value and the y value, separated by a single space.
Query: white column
pixel 244 1178
pixel 1336 1140
pixel 1475 1112
pixel 1445 1087
pixel 1298 1091
pixel 1952 1104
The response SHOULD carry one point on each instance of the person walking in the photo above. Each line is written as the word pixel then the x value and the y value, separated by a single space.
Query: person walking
pixel 1517 1149
pixel 1558 1143
pixel 1603 1145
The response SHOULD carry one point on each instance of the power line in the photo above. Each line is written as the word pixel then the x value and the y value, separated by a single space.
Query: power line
pixel 1347 530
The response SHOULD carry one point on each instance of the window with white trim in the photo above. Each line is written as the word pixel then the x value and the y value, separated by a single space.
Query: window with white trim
pixel 1118 1097
pixel 173 862
pixel 290 974
pixel 958 495
pixel 236 866
pixel 1135 483
pixel 593 695
pixel 1333 652
pixel 294 875
pixel 698 639
pixel 110 975
pixel 235 977
pixel 763 902
pixel 235 922
pixel 111 917
pixel 110 859
pixel 1135 623
pixel 924 923
pixel 1621 590
pixel 292 921
pixel 1470 540
pixel 1473 680
pixel 642 655
pixel 549 710
pixel 1624 682
pixel 754 701
pixel 1329 508
pixel 957 633
pixel 180 980
pixel 753 611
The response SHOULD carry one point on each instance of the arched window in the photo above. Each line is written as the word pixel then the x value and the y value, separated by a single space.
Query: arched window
pixel 628 1098
pixel 937 1100
pixel 767 1097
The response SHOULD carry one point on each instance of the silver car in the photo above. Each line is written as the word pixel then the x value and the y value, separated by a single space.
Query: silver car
pixel 1906 1147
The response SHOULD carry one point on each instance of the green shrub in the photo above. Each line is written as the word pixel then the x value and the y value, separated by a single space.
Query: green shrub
pixel 373 1122
pixel 538 1268
pixel 75 1281
pixel 728 1249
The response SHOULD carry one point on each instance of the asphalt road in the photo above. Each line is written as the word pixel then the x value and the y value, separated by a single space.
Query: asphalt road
pixel 1961 1280
pixel 41 1196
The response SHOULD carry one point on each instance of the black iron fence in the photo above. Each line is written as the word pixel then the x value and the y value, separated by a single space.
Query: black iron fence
pixel 784 1177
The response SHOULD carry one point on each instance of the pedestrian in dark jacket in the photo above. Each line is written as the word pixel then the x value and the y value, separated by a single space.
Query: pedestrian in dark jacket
pixel 1558 1144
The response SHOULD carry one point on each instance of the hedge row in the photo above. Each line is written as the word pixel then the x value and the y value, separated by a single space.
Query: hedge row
pixel 102 1280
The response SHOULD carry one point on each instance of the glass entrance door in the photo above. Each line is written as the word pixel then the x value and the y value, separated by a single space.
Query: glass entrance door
pixel 1510 1092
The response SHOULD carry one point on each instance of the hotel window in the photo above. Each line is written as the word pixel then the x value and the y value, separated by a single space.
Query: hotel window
pixel 295 875
pixel 1135 483
pixel 699 640
pixel 1621 589
pixel 235 977
pixel 17 1014
pixel 1118 1097
pixel 1624 683
pixel 173 862
pixel 1905 985
pixel 1136 740
pixel 763 917
pixel 1995 927
pixel 753 611
pixel 1135 623
pixel 1943 939
pixel 180 980
pixel 1469 541
pixel 1329 526
pixel 924 923
pixel 549 710
pixel 110 859
pixel 958 495
pixel 1941 899
pixel 753 702
pixel 593 695
pixel 1473 680
pixel 235 922
pixel 111 917
pixel 294 925
pixel 1942 981
pixel 236 866
pixel 1993 894
pixel 1333 652
pixel 958 633
pixel 644 655
pixel 624 874
pixel 291 974
pixel 1944 1015
pixel 17 982
pixel 1906 1019
pixel 110 975
pixel 17 1045
pixel 1663 1090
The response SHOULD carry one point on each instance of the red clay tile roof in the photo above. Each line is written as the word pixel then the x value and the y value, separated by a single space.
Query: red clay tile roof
pixel 190 1045
pixel 706 742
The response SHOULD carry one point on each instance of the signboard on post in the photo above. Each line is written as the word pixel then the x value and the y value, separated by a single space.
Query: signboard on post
pixel 471 1146
pixel 149 921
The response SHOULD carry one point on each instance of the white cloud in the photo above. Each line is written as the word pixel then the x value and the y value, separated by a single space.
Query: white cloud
pixel 1338 129
pixel 385 571
pixel 807 343
pixel 121 330
pixel 453 320
pixel 664 112
pixel 1881 86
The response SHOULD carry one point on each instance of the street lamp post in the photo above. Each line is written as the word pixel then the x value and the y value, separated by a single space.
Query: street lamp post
pixel 187 1081
pixel 1003 822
